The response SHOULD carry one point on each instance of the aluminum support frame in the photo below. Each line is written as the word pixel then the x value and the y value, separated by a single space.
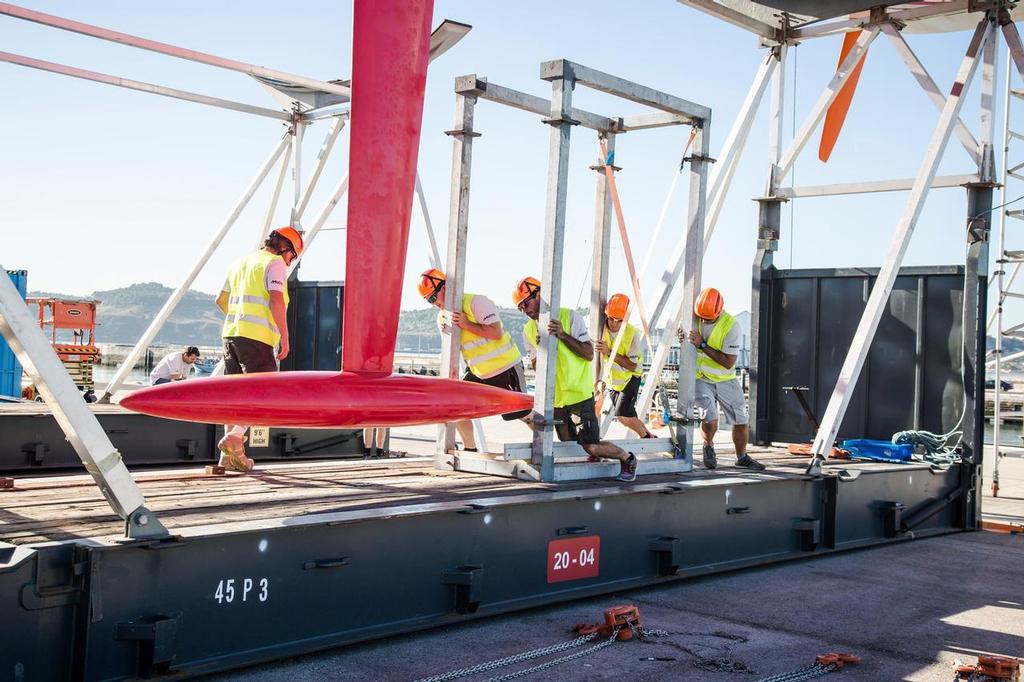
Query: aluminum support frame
pixel 600 259
pixel 691 282
pixel 179 293
pixel 562 84
pixel 458 232
pixel 170 50
pixel 928 84
pixel 101 459
pixel 141 86
pixel 850 372
pixel 825 100
pixel 275 196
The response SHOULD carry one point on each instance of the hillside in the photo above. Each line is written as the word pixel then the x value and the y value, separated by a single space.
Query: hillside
pixel 125 313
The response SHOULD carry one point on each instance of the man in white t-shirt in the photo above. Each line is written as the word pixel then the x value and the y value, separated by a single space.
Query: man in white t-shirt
pixel 174 366
pixel 718 339
pixel 491 356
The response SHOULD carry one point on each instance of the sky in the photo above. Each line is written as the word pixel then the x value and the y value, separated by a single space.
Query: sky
pixel 104 187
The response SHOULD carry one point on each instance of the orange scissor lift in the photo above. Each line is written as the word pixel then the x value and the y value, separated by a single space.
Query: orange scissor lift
pixel 72 327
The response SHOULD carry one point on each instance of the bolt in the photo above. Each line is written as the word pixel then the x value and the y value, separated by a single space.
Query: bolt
pixel 142 519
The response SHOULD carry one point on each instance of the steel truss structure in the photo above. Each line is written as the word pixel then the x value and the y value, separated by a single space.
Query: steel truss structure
pixel 157 604
pixel 993 20
pixel 539 460
pixel 305 100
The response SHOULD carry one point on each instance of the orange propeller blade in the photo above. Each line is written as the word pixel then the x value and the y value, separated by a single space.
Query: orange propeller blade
pixel 836 114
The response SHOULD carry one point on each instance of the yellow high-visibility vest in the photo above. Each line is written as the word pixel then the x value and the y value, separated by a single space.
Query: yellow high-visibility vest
pixel 619 375
pixel 573 376
pixel 249 313
pixel 485 357
pixel 708 369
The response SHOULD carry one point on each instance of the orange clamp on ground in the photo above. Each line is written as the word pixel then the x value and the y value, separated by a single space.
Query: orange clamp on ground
pixel 837 659
pixel 625 617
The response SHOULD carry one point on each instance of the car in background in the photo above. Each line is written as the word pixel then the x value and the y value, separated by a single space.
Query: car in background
pixel 990 384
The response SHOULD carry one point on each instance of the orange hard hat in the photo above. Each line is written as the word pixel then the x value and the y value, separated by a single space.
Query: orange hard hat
pixel 617 306
pixel 709 304
pixel 430 283
pixel 527 287
pixel 292 235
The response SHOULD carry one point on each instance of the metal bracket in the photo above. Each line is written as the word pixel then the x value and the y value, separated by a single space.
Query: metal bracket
pixel 809 532
pixel 456 132
pixel 37 450
pixel 892 515
pixel 187 447
pixel 155 635
pixel 559 121
pixel 467 584
pixel 701 158
pixel 669 552
pixel 977 230
pixel 143 524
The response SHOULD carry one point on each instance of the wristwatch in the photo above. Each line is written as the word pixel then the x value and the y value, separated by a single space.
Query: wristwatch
pixel 703 345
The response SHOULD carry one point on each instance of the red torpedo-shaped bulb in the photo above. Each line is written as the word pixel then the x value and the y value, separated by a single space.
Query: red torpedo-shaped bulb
pixel 325 399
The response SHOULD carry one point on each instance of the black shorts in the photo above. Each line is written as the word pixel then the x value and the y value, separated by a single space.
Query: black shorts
pixel 510 380
pixel 625 400
pixel 579 423
pixel 248 356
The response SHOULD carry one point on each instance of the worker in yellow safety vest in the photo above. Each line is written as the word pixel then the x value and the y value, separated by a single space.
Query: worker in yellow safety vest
pixel 718 340
pixel 626 370
pixel 491 356
pixel 574 387
pixel 254 301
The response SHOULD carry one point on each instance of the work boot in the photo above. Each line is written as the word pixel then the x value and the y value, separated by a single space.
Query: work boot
pixel 232 458
pixel 710 458
pixel 748 462
pixel 628 472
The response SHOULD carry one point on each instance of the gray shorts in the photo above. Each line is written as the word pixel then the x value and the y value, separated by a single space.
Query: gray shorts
pixel 729 394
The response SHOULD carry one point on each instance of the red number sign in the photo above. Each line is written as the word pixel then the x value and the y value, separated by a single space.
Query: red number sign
pixel 574 558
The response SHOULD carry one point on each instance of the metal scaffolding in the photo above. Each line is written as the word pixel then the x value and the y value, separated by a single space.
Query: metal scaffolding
pixel 539 460
pixel 1012 181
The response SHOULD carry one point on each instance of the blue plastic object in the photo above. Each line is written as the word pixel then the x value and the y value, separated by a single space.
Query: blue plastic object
pixel 10 368
pixel 878 450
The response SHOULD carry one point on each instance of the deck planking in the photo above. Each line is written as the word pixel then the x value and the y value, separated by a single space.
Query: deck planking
pixel 69 507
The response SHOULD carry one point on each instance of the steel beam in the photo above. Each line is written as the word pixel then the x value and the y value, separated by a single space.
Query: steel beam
pixel 101 459
pixel 318 223
pixel 927 83
pixel 871 186
pixel 865 333
pixel 979 220
pixel 179 293
pixel 691 271
pixel 482 89
pixel 657 119
pixel 736 142
pixel 141 86
pixel 571 450
pixel 551 277
pixel 455 262
pixel 599 261
pixel 738 19
pixel 820 107
pixel 275 195
pixel 620 87
pixel 164 48
pixel 321 161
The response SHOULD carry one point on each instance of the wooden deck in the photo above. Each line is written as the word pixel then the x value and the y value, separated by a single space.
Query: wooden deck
pixel 57 508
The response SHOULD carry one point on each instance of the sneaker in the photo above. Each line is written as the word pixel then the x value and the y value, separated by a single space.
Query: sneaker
pixel 628 472
pixel 748 462
pixel 593 459
pixel 710 458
